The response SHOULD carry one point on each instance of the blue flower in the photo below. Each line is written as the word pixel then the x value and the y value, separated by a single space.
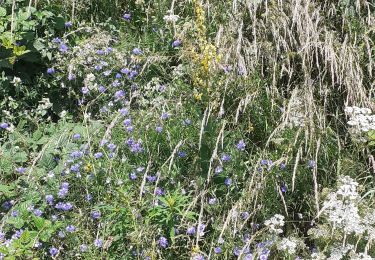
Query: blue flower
pixel 63 47
pixel 241 145
pixel 76 136
pixel 163 242
pixel 70 228
pixel 50 71
pixel 245 215
pixel 127 17
pixel 212 201
pixel 95 214
pixel 37 212
pixel 98 243
pixel 21 170
pixel 176 43
pixel 190 230
pixel 181 154
pixel 98 155
pixel 83 248
pixel 159 129
pixel 217 250
pixel 68 24
pixel 283 188
pixel 228 181
pixel 53 251
pixel 49 199
pixel 4 125
pixel 85 90
pixel 311 164
pixel 125 71
pixel 137 51
pixel 225 158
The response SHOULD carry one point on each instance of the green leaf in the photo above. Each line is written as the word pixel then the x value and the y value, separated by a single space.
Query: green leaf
pixel 25 237
pixel 3 12
pixel 20 157
pixel 39 222
pixel 16 222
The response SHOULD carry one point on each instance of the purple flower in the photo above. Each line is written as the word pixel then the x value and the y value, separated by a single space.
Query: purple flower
pixel 85 90
pixel 50 71
pixel 76 136
pixel 107 73
pixel 76 154
pixel 159 191
pixel 181 154
pixel 190 231
pixel 282 166
pixel 225 157
pixel 133 74
pixel 53 251
pixel 264 162
pixel 98 67
pixel 98 243
pixel 83 248
pixel 49 199
pixel 127 122
pixel 56 40
pixel 63 47
pixel 283 188
pixel 248 257
pixel 124 111
pixel 118 76
pixel 21 170
pixel 212 201
pixel 7 205
pixel 70 228
pixel 176 43
pixel 129 129
pixel 95 214
pixel 217 250
pixel 14 214
pixel 4 125
pixel 64 206
pixel 127 17
pixel 71 76
pixel 163 242
pixel 120 94
pixel 68 24
pixel 88 197
pixel 125 71
pixel 245 215
pixel 164 116
pixel 111 146
pixel 102 89
pixel 137 51
pixel 218 169
pixel 98 155
pixel 133 176
pixel 228 181
pixel 151 178
pixel 159 129
pixel 116 83
pixel 136 148
pixel 311 164
pixel 241 145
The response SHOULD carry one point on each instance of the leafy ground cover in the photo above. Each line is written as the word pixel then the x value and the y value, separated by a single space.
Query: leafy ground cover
pixel 187 129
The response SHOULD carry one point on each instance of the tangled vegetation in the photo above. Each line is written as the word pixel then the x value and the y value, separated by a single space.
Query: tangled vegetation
pixel 192 129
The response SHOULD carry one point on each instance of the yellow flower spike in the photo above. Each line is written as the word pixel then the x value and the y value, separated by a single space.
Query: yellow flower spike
pixel 198 96
pixel 88 168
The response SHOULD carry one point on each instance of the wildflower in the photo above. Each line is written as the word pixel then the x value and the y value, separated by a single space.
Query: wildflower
pixel 283 188
pixel 76 136
pixel 159 191
pixel 83 248
pixel 111 146
pixel 159 129
pixel 181 154
pixel 37 212
pixel 95 214
pixel 85 90
pixel 71 76
pixel 124 111
pixel 127 122
pixel 172 18
pixel 118 76
pixel 127 17
pixel 212 201
pixel 163 242
pixel 68 24
pixel 98 155
pixel 61 234
pixel 245 215
pixel 137 51
pixel 4 125
pixel 225 158
pixel 102 89
pixel 125 71
pixel 311 164
pixel 56 40
pixel 218 250
pixel 50 71
pixel 264 162
pixel 14 213
pixel 98 67
pixel 282 166
pixel 49 199
pixel 228 181
pixel 132 176
pixel 218 169
pixel 176 43
pixel 63 47
pixel 120 94
pixel 21 170
pixel 151 178
pixel 190 230
pixel 53 251
pixel 7 205
pixel 70 228
pixel 241 145
pixel 164 116
pixel 98 243
pixel 107 73
pixel 88 197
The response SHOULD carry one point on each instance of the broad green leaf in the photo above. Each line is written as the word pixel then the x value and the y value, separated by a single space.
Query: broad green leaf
pixel 3 12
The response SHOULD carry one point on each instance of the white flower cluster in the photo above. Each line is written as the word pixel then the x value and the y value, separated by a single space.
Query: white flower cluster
pixel 339 252
pixel 171 18
pixel 341 207
pixel 289 245
pixel 275 223
pixel 360 118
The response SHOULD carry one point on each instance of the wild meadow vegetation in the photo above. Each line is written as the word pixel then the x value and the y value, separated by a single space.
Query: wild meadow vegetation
pixel 189 129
